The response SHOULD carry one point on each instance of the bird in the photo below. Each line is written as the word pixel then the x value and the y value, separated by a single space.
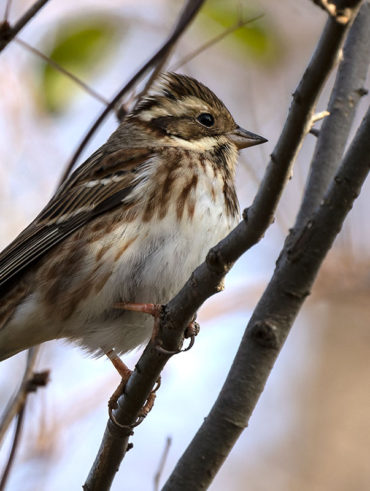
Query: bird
pixel 128 226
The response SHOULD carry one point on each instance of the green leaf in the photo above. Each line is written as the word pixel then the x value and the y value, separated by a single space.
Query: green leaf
pixel 80 46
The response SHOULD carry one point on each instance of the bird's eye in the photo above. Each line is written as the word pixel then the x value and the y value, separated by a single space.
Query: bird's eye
pixel 206 119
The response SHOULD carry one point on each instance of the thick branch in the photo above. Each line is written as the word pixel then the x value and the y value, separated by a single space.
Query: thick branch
pixel 7 33
pixel 207 278
pixel 347 91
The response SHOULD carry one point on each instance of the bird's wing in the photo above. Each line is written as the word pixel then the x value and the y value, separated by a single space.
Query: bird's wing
pixel 102 183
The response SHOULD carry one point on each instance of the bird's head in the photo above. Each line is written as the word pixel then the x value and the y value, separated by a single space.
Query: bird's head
pixel 183 112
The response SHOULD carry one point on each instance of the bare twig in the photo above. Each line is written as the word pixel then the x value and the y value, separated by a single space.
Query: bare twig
pixel 216 39
pixel 62 70
pixel 17 433
pixel 162 463
pixel 315 118
pixel 191 9
pixel 7 10
pixel 319 116
pixel 154 75
pixel 7 32
pixel 19 398
pixel 16 408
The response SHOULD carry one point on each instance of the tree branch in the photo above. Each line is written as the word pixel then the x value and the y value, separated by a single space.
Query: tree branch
pixel 207 278
pixel 347 91
pixel 7 33
pixel 63 71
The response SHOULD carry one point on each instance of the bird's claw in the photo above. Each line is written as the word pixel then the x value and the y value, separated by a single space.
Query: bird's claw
pixel 144 411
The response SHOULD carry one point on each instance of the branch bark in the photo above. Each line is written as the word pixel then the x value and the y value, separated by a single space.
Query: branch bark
pixel 207 278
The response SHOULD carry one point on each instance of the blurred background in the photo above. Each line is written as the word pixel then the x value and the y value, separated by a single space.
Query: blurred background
pixel 310 430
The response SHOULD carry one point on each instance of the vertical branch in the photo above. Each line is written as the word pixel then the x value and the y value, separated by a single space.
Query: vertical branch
pixel 347 91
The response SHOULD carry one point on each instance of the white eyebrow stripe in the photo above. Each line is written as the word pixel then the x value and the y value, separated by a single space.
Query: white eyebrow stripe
pixel 200 145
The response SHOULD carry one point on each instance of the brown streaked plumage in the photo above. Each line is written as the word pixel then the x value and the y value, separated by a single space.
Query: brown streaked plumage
pixel 129 225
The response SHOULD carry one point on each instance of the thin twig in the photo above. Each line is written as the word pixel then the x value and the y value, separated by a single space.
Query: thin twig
pixel 162 463
pixel 319 116
pixel 16 439
pixel 62 70
pixel 30 383
pixel 216 39
pixel 7 10
pixel 7 32
pixel 19 398
pixel 191 9
pixel 154 75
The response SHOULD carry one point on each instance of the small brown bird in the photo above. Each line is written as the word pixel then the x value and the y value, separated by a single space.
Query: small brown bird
pixel 129 225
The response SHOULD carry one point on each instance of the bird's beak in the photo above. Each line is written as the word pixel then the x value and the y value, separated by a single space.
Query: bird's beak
pixel 243 138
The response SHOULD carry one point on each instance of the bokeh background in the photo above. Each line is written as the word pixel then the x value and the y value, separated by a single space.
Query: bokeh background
pixel 310 430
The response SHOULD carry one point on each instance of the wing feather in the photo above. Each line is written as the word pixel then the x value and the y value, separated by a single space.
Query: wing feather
pixel 84 196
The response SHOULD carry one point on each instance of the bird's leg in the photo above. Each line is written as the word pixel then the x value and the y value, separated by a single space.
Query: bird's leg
pixel 125 373
pixel 118 364
pixel 155 310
